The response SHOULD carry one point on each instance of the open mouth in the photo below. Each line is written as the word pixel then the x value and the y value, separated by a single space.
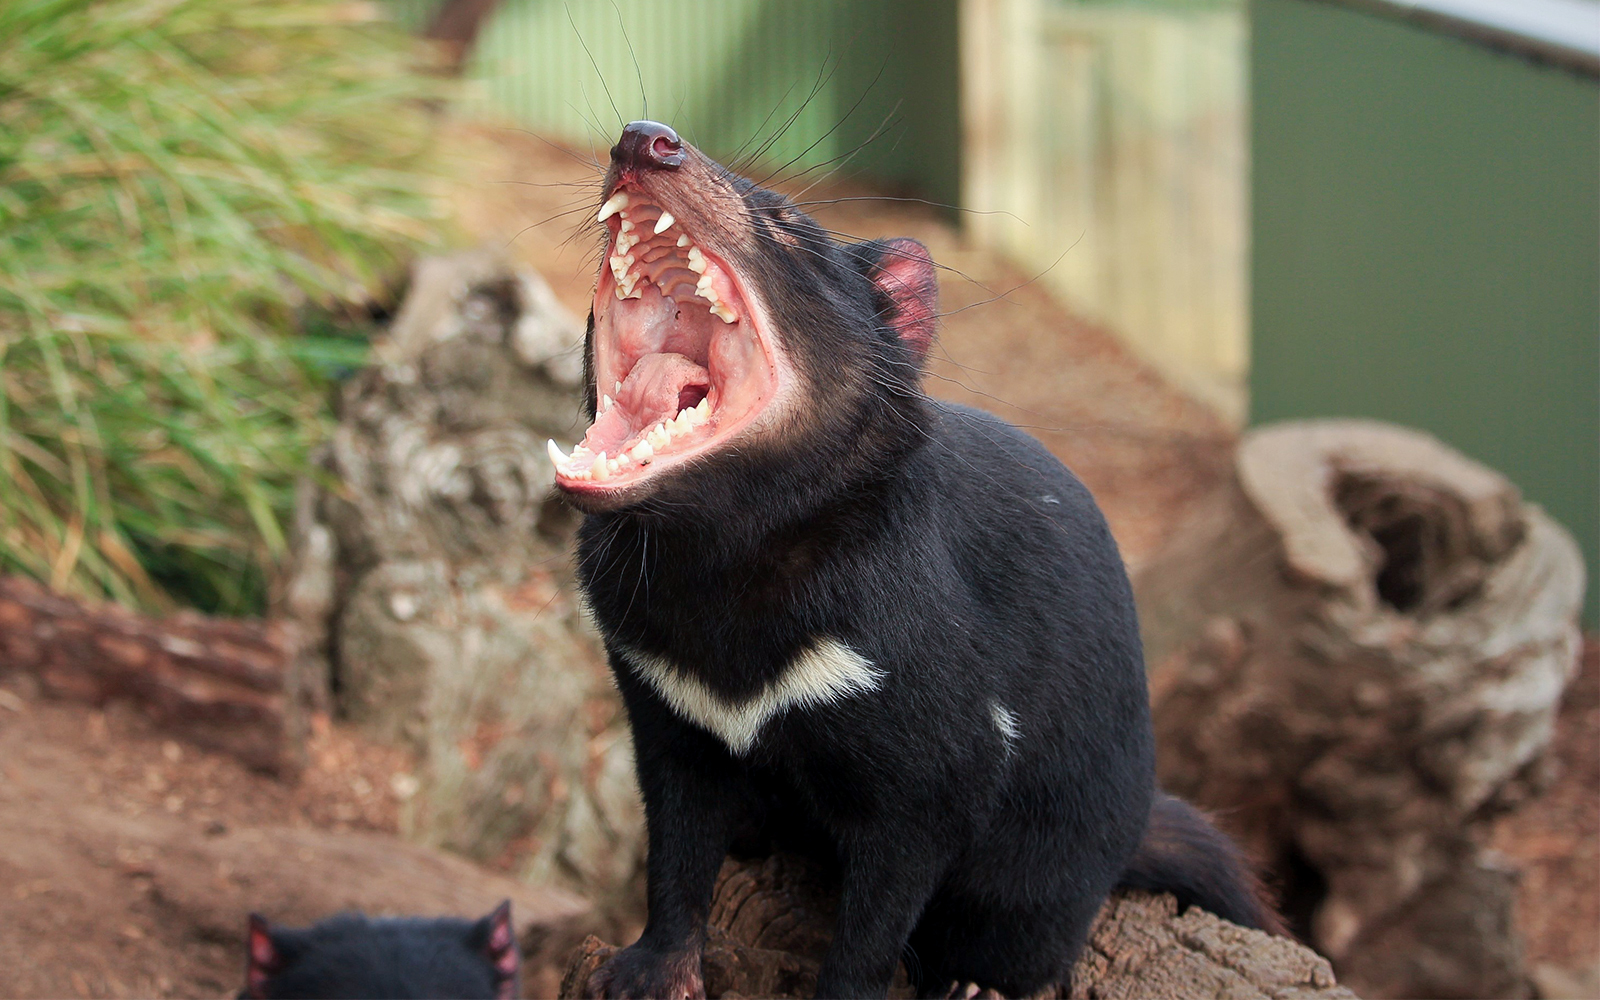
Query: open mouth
pixel 681 361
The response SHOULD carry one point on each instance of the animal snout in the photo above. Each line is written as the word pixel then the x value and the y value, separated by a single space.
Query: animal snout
pixel 648 146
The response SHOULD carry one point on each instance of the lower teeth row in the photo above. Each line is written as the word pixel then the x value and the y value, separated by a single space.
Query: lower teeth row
pixel 656 438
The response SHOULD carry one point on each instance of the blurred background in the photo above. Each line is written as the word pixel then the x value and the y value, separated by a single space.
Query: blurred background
pixel 290 295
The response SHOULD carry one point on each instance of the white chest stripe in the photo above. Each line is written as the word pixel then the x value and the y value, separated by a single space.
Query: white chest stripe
pixel 826 672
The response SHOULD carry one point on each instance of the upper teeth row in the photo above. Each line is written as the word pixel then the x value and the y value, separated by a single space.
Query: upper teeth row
pixel 656 438
pixel 622 259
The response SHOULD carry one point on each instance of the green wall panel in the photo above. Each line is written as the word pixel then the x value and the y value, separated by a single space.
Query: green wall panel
pixel 826 74
pixel 1426 246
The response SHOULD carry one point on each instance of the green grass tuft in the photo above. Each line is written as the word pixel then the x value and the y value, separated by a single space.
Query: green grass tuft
pixel 183 182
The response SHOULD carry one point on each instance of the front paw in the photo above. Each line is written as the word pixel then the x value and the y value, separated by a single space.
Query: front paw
pixel 640 973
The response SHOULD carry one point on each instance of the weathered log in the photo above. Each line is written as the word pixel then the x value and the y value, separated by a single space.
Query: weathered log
pixel 772 919
pixel 218 683
pixel 1357 651
pixel 432 581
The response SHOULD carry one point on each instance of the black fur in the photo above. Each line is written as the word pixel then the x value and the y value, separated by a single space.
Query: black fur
pixel 352 955
pixel 968 565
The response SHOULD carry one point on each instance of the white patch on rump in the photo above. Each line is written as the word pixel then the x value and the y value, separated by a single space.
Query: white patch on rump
pixel 824 672
pixel 1005 722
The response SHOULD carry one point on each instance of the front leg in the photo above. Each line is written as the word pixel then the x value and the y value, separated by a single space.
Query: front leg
pixel 890 873
pixel 693 794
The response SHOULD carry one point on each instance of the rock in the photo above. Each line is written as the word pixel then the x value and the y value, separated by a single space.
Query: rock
pixel 450 624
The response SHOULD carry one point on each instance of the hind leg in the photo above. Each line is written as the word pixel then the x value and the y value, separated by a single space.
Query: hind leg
pixel 1014 951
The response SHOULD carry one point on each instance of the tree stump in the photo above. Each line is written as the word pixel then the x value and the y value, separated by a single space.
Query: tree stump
pixel 217 683
pixel 772 919
pixel 1357 651
pixel 433 585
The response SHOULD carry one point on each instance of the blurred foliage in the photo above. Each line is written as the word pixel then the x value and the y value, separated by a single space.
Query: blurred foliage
pixel 184 185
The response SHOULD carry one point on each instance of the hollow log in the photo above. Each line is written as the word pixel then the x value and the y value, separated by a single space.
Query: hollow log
pixel 772 919
pixel 1357 650
pixel 217 683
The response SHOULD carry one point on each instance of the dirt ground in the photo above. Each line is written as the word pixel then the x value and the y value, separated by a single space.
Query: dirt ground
pixel 127 860
pixel 1556 839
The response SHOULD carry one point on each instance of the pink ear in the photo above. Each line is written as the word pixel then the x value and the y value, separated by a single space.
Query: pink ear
pixel 502 949
pixel 263 956
pixel 906 275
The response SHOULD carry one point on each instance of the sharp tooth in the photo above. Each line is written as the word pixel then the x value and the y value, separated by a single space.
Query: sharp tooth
pixel 697 261
pixel 627 225
pixel 613 205
pixel 554 451
pixel 683 240
pixel 605 403
pixel 643 451
pixel 704 409
pixel 600 469
pixel 664 223
pixel 618 385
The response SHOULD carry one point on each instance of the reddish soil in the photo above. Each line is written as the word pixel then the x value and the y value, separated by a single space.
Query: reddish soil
pixel 83 796
pixel 1556 838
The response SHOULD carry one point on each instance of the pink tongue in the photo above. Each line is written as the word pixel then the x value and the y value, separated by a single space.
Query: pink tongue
pixel 651 391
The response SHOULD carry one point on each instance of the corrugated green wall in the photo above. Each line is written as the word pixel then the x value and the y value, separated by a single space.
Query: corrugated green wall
pixel 729 73
pixel 1426 246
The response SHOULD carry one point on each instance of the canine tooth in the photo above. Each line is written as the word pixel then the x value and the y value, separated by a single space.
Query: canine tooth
pixel 613 205
pixel 643 452
pixel 664 223
pixel 600 469
pixel 554 450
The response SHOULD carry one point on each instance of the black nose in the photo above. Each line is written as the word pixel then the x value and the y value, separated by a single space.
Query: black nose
pixel 648 146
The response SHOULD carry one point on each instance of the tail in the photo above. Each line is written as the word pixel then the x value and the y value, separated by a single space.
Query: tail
pixel 1182 853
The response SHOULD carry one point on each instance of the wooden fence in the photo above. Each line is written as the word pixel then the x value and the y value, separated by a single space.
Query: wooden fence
pixel 1107 140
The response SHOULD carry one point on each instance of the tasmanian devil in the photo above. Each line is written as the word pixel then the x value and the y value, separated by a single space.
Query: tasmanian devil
pixel 355 956
pixel 892 627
